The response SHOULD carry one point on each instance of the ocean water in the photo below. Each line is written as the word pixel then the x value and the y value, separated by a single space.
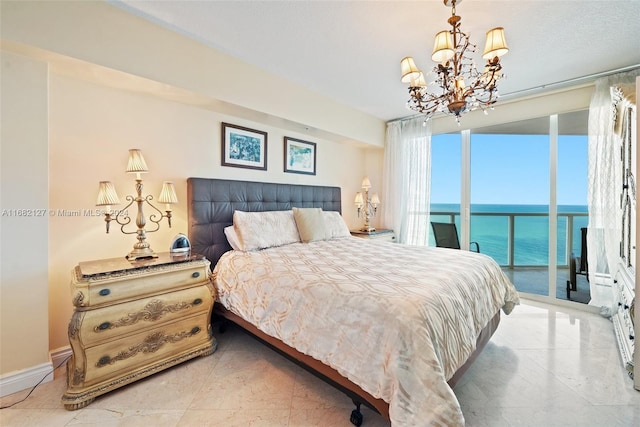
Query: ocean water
pixel 531 232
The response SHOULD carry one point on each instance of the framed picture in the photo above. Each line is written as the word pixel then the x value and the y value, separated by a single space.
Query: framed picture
pixel 243 147
pixel 299 156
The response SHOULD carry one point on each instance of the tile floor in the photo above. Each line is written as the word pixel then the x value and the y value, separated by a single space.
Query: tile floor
pixel 535 280
pixel 545 366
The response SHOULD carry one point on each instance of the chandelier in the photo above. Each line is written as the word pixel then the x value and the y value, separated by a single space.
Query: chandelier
pixel 460 86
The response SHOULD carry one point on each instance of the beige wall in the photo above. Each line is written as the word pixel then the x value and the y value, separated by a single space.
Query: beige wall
pixel 88 82
pixel 101 34
pixel 24 216
pixel 91 129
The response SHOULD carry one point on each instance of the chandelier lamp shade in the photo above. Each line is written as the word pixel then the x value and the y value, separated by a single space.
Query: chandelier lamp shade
pixel 107 197
pixel 136 163
pixel 168 197
pixel 459 86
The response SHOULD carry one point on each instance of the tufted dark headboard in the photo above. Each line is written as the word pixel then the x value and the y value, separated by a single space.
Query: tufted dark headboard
pixel 211 203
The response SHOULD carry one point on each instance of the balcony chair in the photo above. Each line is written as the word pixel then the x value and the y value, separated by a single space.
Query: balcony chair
pixel 578 265
pixel 446 235
pixel 584 267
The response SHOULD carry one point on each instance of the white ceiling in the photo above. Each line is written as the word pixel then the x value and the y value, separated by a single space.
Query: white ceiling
pixel 350 51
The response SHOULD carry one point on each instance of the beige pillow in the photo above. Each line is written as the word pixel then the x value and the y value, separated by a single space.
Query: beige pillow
pixel 261 230
pixel 310 223
pixel 233 239
pixel 334 225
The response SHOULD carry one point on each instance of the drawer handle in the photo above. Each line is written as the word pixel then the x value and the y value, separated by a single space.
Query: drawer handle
pixel 195 330
pixel 104 360
pixel 104 325
pixel 195 275
pixel 104 292
pixel 631 337
pixel 197 301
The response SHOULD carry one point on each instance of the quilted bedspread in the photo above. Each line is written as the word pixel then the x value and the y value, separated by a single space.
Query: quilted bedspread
pixel 397 320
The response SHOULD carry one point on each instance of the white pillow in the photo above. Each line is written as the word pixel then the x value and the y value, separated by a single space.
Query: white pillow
pixel 334 225
pixel 261 230
pixel 310 223
pixel 233 238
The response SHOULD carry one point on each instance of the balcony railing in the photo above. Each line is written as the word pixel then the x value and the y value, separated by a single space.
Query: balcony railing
pixel 511 231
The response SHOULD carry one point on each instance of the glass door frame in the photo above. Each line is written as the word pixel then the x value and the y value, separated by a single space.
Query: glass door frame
pixel 465 189
pixel 465 199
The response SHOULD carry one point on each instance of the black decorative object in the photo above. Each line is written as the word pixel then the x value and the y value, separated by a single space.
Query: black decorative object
pixel 180 244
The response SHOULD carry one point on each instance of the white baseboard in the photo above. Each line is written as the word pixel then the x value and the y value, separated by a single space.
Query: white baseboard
pixel 59 355
pixel 23 379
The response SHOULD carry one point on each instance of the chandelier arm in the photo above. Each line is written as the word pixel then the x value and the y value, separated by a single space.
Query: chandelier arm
pixel 426 103
pixel 461 53
pixel 445 81
pixel 153 216
pixel 466 47
pixel 426 108
pixel 125 219
pixel 457 57
pixel 491 76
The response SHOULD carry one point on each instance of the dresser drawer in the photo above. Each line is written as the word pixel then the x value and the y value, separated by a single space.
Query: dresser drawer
pixel 99 291
pixel 626 296
pixel 127 354
pixel 116 320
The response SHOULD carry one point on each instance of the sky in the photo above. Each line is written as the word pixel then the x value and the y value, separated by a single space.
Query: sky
pixel 509 169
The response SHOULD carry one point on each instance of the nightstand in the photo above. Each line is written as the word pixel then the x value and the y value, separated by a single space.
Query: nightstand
pixel 133 319
pixel 382 235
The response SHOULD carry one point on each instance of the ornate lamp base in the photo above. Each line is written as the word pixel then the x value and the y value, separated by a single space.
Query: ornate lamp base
pixel 137 254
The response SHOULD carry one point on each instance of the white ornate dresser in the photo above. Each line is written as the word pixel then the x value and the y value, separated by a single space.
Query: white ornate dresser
pixel 624 128
pixel 133 319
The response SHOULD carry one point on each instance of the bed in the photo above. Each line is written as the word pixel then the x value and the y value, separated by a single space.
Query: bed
pixel 348 309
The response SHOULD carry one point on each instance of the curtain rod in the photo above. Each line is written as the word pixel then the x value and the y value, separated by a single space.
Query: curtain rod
pixel 576 80
pixel 583 79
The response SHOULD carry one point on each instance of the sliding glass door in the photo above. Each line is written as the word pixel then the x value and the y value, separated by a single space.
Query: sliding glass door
pixel 572 206
pixel 525 183
pixel 445 180
pixel 509 188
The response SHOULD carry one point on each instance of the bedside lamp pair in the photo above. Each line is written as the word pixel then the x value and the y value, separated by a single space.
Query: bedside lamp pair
pixel 108 197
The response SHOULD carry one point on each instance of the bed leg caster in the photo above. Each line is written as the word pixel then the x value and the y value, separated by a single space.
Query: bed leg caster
pixel 356 416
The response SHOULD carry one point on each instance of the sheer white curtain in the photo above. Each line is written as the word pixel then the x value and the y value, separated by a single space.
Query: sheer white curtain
pixel 407 180
pixel 605 186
